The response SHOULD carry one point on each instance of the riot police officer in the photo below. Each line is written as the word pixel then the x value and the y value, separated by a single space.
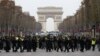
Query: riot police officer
pixel 7 43
pixel 19 43
pixel 1 43
pixel 29 44
pixel 82 44
pixel 60 44
pixel 13 40
pixel 66 44
pixel 34 43
pixel 48 44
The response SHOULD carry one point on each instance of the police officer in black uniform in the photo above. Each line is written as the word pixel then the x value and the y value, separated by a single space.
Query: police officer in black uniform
pixel 25 43
pixel 88 43
pixel 55 43
pixel 66 44
pixel 48 44
pixel 7 43
pixel 29 44
pixel 19 44
pixel 40 42
pixel 60 44
pixel 13 40
pixel 1 43
pixel 82 44
pixel 34 43
pixel 71 43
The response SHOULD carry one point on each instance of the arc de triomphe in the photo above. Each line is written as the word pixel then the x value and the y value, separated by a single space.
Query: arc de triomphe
pixel 49 12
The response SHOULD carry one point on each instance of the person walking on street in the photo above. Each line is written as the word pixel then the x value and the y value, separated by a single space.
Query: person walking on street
pixel 93 44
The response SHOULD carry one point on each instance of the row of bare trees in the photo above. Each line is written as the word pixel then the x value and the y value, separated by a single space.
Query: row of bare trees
pixel 13 20
pixel 85 19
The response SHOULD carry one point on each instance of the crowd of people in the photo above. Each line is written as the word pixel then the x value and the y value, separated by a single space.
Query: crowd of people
pixel 49 43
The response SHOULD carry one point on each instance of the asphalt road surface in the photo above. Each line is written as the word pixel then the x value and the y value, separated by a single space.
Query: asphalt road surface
pixel 53 53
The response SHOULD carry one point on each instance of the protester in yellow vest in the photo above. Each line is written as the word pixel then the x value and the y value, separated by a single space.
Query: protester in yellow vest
pixel 93 44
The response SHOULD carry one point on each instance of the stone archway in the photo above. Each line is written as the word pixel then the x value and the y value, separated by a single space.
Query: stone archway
pixel 50 12
pixel 50 24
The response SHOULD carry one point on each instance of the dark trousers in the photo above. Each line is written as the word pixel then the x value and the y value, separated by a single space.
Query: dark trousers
pixel 82 48
pixel 59 48
pixel 66 48
pixel 93 47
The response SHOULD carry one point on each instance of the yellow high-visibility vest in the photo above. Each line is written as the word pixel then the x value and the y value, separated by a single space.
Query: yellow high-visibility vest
pixel 16 38
pixel 93 42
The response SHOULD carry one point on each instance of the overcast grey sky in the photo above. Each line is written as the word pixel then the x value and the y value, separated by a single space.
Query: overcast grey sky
pixel 69 6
